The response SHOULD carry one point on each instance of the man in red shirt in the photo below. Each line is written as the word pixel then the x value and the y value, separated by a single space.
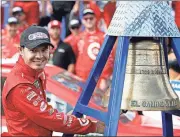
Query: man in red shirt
pixel 74 26
pixel 89 5
pixel 26 109
pixel 18 13
pixel 30 8
pixel 10 38
pixel 88 45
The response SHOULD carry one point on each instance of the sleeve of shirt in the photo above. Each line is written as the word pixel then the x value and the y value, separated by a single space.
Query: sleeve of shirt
pixel 27 100
pixel 71 56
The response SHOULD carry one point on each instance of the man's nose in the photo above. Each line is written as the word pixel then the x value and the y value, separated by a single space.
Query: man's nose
pixel 39 54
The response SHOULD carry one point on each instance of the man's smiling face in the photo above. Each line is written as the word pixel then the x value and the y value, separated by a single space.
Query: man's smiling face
pixel 36 58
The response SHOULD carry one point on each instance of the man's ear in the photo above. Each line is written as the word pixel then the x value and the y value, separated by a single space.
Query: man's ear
pixel 21 50
pixel 83 21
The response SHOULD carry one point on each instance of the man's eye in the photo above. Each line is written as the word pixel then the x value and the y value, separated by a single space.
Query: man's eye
pixel 44 50
pixel 33 50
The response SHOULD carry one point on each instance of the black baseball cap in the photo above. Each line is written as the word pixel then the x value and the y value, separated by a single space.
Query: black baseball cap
pixel 17 10
pixel 88 11
pixel 34 36
pixel 74 23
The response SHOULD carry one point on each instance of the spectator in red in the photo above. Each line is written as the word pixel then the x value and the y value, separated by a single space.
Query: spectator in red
pixel 10 38
pixel 74 27
pixel 90 5
pixel 30 8
pixel 88 45
pixel 176 6
pixel 20 15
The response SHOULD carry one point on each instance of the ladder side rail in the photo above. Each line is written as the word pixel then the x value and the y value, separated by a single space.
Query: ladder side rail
pixel 167 124
pixel 117 86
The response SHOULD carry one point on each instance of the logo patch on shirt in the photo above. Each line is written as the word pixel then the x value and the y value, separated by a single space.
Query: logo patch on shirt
pixel 37 100
pixel 83 122
pixel 36 84
pixel 62 116
pixel 51 111
pixel 93 50
pixel 25 90
pixel 43 106
pixel 70 120
pixel 61 50
pixel 31 95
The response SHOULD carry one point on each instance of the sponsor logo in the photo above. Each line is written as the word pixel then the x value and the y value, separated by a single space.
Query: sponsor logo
pixel 60 116
pixel 38 99
pixel 61 50
pixel 51 111
pixel 43 106
pixel 37 35
pixel 70 120
pixel 63 117
pixel 36 84
pixel 25 90
pixel 83 122
pixel 93 50
pixel 31 95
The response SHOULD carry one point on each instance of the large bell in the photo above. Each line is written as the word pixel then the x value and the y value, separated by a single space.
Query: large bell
pixel 146 84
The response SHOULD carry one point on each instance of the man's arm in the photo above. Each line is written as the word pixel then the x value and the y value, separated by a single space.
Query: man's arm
pixel 71 68
pixel 27 100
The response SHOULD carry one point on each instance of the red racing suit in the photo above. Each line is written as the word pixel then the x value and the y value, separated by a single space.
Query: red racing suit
pixel 88 47
pixel 27 111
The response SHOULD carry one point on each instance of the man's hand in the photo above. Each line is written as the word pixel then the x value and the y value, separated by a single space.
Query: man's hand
pixel 100 126
pixel 49 7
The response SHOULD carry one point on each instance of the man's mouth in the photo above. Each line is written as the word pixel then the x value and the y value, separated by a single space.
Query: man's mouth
pixel 39 62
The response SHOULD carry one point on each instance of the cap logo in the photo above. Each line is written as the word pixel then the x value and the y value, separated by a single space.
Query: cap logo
pixel 37 35
pixel 55 22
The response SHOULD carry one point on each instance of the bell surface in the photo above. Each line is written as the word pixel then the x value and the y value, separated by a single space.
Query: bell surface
pixel 146 84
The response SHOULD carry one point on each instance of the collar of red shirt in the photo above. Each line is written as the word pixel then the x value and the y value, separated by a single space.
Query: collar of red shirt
pixel 28 71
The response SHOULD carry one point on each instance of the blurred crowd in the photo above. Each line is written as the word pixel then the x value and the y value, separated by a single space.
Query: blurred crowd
pixel 85 25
